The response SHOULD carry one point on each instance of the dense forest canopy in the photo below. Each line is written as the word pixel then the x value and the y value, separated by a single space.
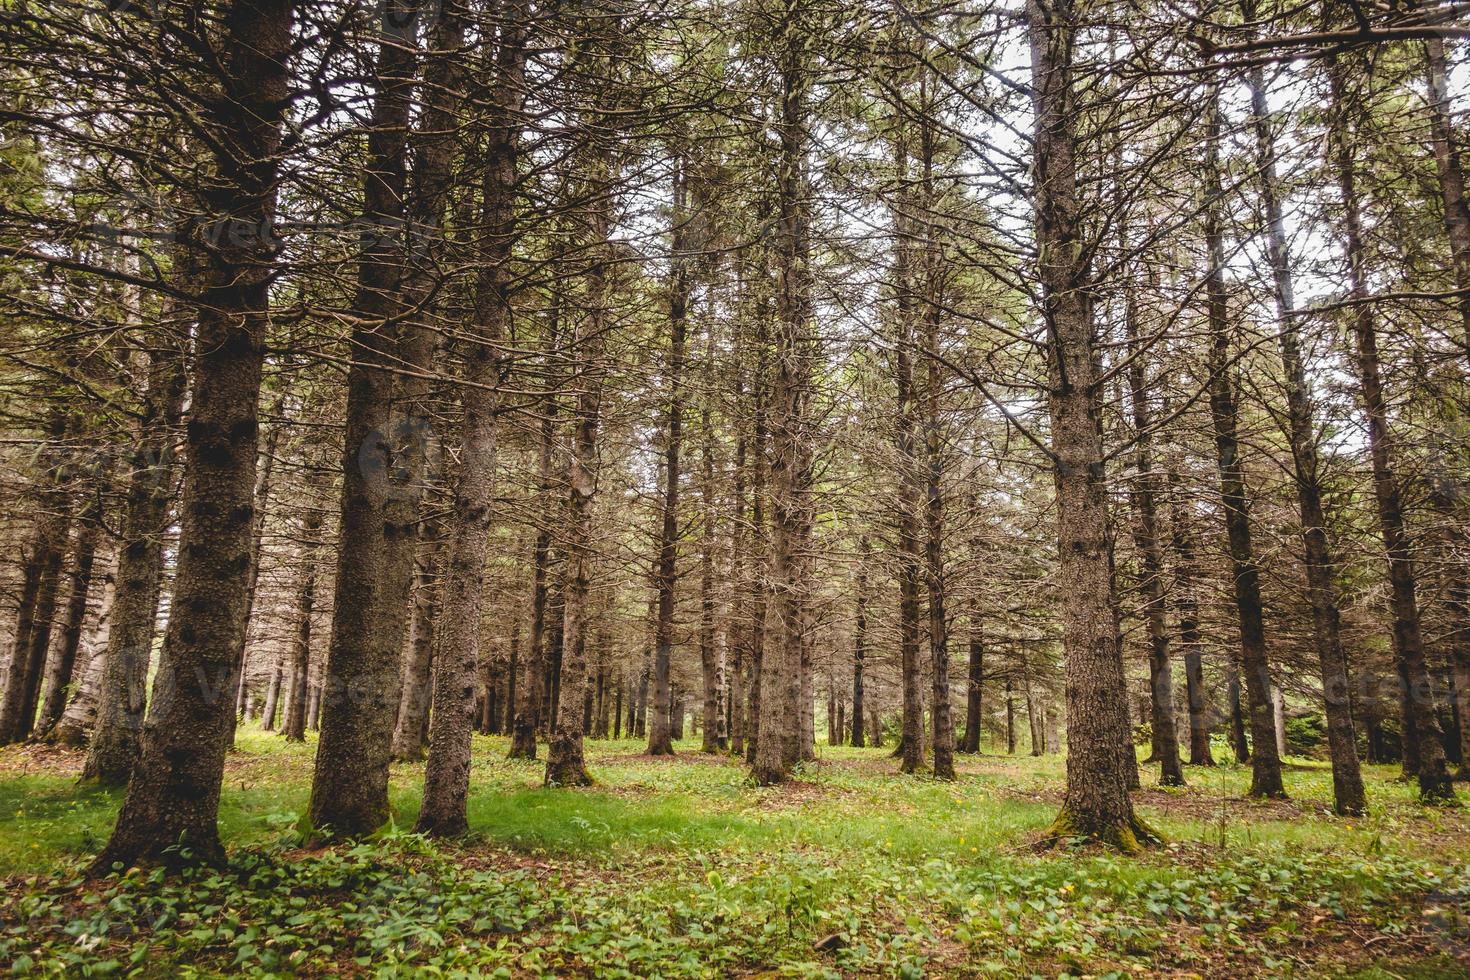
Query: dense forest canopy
pixel 1072 375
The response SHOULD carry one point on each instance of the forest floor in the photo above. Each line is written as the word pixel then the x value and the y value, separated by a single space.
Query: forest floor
pixel 678 867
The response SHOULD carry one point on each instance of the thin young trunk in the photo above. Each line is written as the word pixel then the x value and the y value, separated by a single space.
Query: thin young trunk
pixel 123 689
pixel 1145 494
pixel 860 645
pixel 244 697
pixel 1301 432
pixel 456 674
pixel 1185 572
pixel 1420 724
pixel 566 764
pixel 40 585
pixel 298 657
pixel 1097 804
pixel 713 738
pixel 668 541
pixel 532 705
pixel 359 695
pixel 62 664
pixel 1245 573
pixel 413 704
pixel 172 800
pixel 272 696
pixel 80 718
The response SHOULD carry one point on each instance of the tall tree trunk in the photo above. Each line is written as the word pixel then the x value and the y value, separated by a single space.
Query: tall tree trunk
pixel 1097 804
pixel 1420 724
pixel 779 746
pixel 668 541
pixel 122 692
pixel 1451 175
pixel 910 489
pixel 172 800
pixel 456 675
pixel 1145 494
pixel 1245 573
pixel 529 710
pixel 566 764
pixel 359 696
pixel 759 546
pixel 1321 570
pixel 272 695
pixel 565 760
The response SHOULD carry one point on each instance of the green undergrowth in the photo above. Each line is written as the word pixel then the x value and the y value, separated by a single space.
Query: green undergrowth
pixel 681 868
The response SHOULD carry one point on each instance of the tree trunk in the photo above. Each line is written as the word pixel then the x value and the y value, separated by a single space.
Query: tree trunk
pixel 713 737
pixel 60 668
pixel 565 761
pixel 1144 497
pixel 359 696
pixel 456 674
pixel 860 645
pixel 1421 727
pixel 1097 804
pixel 79 719
pixel 1185 573
pixel 414 701
pixel 1451 174
pixel 668 542
pixel 172 800
pixel 1245 573
pixel 123 688
pixel 779 746
pixel 40 584
pixel 298 657
pixel 1301 432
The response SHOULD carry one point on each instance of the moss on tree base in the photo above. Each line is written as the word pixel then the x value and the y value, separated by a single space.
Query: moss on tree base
pixel 1130 836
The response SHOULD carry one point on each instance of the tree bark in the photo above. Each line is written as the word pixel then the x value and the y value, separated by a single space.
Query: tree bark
pixel 456 675
pixel 1097 805
pixel 1321 569
pixel 359 689
pixel 123 689
pixel 1420 724
pixel 779 744
pixel 62 663
pixel 1245 573
pixel 860 645
pixel 172 800
pixel 1185 574
pixel 668 541
pixel 711 721
pixel 298 657
pixel 40 584
pixel 1144 497
pixel 1451 175
pixel 413 704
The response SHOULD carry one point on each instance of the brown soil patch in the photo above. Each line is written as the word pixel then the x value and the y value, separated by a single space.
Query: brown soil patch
pixel 41 759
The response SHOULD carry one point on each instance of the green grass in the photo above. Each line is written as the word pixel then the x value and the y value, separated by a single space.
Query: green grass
pixel 680 868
